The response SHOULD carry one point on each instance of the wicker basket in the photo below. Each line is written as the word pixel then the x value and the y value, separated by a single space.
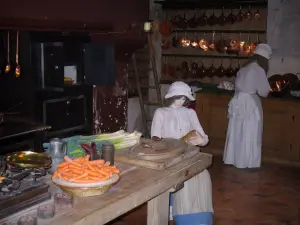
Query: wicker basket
pixel 86 190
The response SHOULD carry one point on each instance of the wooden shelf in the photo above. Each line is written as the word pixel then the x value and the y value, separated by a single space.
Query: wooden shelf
pixel 219 31
pixel 213 4
pixel 206 56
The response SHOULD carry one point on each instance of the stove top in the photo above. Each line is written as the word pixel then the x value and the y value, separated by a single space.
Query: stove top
pixel 21 188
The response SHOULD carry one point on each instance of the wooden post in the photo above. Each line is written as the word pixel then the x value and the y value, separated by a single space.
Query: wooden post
pixel 158 210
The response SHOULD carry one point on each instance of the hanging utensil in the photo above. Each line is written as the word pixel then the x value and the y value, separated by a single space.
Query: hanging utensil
pixel 201 70
pixel 212 19
pixel 166 27
pixel 229 71
pixel 202 20
pixel 231 18
pixel 8 67
pixel 175 41
pixel 248 15
pixel 246 47
pixel 166 44
pixel 183 23
pixel 222 18
pixel 257 15
pixel 185 42
pixel 240 16
pixel 194 69
pixel 18 68
pixel 192 22
pixel 175 20
pixel 237 69
pixel 194 42
pixel 221 45
pixel 211 45
pixel 185 70
pixel 203 43
pixel 211 70
pixel 221 70
pixel 254 44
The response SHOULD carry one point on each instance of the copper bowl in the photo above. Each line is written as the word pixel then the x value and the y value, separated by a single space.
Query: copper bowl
pixel 279 86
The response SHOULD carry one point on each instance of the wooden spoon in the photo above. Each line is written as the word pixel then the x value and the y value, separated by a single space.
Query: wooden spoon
pixel 18 68
pixel 7 67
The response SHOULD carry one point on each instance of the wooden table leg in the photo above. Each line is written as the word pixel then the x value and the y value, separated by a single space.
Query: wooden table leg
pixel 158 210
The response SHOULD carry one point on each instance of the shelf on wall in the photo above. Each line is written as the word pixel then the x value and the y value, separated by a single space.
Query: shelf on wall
pixel 206 56
pixel 220 31
pixel 213 4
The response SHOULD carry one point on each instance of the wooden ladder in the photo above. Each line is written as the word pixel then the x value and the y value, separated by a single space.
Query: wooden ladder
pixel 142 72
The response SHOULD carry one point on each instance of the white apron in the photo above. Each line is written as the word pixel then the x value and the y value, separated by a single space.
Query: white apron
pixel 196 196
pixel 244 134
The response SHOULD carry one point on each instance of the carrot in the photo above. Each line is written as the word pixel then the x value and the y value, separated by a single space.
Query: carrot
pixel 81 170
pixel 67 158
pixel 97 162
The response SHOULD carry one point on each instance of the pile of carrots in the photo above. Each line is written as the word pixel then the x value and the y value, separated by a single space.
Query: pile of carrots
pixel 83 171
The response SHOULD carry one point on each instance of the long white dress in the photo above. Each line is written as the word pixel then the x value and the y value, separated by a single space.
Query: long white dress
pixel 196 196
pixel 244 133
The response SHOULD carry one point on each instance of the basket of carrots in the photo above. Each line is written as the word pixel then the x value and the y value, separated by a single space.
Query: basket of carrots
pixel 83 178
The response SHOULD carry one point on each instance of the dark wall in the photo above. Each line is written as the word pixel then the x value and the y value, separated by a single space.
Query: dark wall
pixel 98 17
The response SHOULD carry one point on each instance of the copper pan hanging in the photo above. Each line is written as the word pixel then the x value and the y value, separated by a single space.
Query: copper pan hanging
pixel 166 27
pixel 203 43
pixel 8 66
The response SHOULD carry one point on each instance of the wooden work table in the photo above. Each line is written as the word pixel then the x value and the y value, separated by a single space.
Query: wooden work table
pixel 136 186
pixel 281 142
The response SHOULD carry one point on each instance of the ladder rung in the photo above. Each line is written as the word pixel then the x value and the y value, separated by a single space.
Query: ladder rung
pixel 148 87
pixel 151 103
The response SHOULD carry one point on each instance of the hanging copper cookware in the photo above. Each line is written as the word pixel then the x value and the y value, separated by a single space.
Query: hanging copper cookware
pixel 183 23
pixel 254 44
pixel 168 70
pixel 194 69
pixel 212 20
pixel 221 70
pixel 192 22
pixel 222 18
pixel 221 45
pixel 248 15
pixel 231 18
pixel 201 72
pixel 18 67
pixel 229 71
pixel 233 47
pixel 202 20
pixel 246 47
pixel 236 70
pixel 195 42
pixel 185 70
pixel 212 44
pixel 175 41
pixel 175 20
pixel 8 66
pixel 257 15
pixel 166 27
pixel 240 15
pixel 166 44
pixel 203 43
pixel 211 70
pixel 185 42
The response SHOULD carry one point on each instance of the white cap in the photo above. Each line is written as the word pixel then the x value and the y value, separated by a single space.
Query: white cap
pixel 180 88
pixel 264 50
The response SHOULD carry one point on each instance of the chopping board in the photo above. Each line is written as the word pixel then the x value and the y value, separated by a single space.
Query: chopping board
pixel 157 155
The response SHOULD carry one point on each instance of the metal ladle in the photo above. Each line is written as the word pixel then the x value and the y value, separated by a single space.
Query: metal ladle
pixel 18 68
pixel 7 67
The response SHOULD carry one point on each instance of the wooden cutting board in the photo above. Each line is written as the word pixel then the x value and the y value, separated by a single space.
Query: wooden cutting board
pixel 156 154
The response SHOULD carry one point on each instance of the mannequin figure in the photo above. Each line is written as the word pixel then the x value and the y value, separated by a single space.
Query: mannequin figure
pixel 192 204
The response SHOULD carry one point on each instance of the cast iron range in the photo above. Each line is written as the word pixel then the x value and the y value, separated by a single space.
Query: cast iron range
pixel 21 188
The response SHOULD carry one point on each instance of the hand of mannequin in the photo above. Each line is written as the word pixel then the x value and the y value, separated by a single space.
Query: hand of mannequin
pixel 198 141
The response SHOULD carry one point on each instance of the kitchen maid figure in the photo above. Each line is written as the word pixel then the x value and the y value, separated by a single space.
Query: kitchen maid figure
pixel 192 204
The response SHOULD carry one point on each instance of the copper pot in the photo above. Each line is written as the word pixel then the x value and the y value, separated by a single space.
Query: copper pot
pixel 166 27
pixel 221 45
pixel 202 20
pixel 203 43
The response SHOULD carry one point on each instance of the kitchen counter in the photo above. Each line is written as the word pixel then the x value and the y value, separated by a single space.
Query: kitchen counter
pixel 137 185
pixel 281 143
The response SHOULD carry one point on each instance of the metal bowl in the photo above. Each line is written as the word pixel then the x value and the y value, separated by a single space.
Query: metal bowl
pixel 279 86
pixel 28 159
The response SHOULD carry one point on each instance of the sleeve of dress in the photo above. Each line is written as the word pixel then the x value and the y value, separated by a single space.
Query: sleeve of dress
pixel 262 83
pixel 156 126
pixel 197 126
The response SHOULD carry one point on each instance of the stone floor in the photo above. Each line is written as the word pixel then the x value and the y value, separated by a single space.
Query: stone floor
pixel 266 196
